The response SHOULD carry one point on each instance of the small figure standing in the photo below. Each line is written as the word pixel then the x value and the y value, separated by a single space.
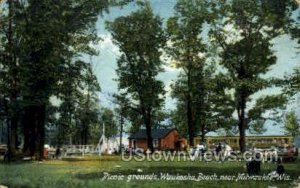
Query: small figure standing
pixel 253 166
pixel 218 148
pixel 228 150
pixel 280 168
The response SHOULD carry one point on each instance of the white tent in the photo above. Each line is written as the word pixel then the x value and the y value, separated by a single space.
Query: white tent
pixel 109 145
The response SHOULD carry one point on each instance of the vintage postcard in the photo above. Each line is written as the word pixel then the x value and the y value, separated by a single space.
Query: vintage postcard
pixel 149 93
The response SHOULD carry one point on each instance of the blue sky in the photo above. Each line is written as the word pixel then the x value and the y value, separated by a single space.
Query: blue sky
pixel 105 63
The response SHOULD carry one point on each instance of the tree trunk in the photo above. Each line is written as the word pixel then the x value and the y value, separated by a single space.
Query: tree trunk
pixel 13 83
pixel 8 154
pixel 149 132
pixel 33 129
pixel 26 132
pixel 242 99
pixel 242 138
pixel 14 133
pixel 86 132
pixel 41 118
pixel 189 111
pixel 190 121
pixel 121 133
pixel 242 123
pixel 202 134
pixel 29 131
pixel 81 135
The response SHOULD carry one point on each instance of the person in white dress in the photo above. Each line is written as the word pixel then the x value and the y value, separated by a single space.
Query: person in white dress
pixel 228 150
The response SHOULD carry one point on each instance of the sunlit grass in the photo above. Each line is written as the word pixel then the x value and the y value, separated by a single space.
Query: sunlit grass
pixel 88 171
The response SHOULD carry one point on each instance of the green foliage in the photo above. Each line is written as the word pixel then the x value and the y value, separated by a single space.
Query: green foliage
pixel 44 40
pixel 243 31
pixel 291 124
pixel 109 122
pixel 265 103
pixel 63 29
pixel 78 110
pixel 294 28
pixel 292 82
pixel 127 111
pixel 106 118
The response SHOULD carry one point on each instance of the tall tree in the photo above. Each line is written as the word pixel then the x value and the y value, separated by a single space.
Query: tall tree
pixel 140 62
pixel 51 34
pixel 9 66
pixel 243 31
pixel 122 114
pixel 69 93
pixel 198 90
pixel 88 112
pixel 91 104
pixel 186 45
pixel 40 37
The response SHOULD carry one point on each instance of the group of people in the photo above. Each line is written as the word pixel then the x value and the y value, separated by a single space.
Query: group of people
pixel 253 166
pixel 202 148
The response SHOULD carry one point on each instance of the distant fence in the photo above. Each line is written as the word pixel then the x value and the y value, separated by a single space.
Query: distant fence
pixel 70 150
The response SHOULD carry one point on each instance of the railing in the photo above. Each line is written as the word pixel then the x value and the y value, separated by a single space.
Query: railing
pixel 83 150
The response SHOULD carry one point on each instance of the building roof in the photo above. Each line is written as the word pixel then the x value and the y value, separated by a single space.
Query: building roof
pixel 156 133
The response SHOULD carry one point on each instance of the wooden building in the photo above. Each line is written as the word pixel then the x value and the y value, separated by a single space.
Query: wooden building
pixel 163 139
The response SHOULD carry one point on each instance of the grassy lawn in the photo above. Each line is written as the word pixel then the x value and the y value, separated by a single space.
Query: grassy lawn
pixel 89 171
